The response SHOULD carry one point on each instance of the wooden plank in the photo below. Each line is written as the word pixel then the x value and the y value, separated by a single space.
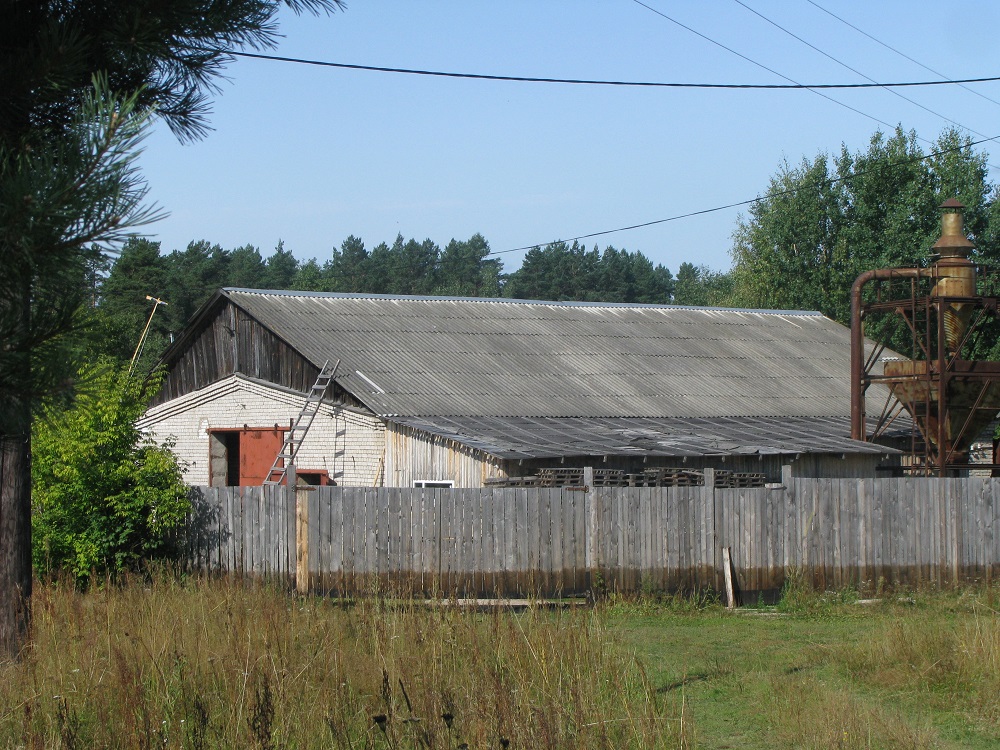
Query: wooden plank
pixel 703 550
pixel 645 539
pixel 776 510
pixel 522 542
pixel 580 511
pixel 393 537
pixel 245 515
pixel 646 506
pixel 335 559
pixel 473 561
pixel 955 506
pixel 494 534
pixel 555 545
pixel 509 505
pixel 494 502
pixel 446 540
pixel 837 519
pixel 358 533
pixel 685 536
pixel 223 545
pixel 655 572
pixel 727 565
pixel 251 506
pixel 319 509
pixel 457 512
pixel 218 546
pixel 332 533
pixel 547 499
pixel 214 544
pixel 570 571
pixel 616 551
pixel 373 500
pixel 989 556
pixel 532 538
pixel 880 496
pixel 756 561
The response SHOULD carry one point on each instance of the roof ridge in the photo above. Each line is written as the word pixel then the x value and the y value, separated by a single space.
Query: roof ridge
pixel 508 300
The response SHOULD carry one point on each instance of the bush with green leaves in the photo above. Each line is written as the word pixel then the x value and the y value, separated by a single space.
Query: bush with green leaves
pixel 104 496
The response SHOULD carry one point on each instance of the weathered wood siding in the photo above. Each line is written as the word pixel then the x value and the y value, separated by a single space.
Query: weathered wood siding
pixel 412 455
pixel 514 542
pixel 232 341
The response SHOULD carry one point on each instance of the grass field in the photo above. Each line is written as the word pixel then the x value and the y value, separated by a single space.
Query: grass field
pixel 192 663
pixel 920 670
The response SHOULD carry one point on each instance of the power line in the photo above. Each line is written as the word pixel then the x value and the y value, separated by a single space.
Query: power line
pixel 853 70
pixel 759 65
pixel 587 82
pixel 831 181
pixel 901 54
pixel 873 118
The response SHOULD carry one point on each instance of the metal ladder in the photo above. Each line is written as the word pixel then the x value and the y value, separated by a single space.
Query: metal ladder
pixel 295 436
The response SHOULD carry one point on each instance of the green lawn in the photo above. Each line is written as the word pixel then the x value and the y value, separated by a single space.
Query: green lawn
pixel 911 673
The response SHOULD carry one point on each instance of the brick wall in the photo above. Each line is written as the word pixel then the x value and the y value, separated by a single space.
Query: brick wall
pixel 347 443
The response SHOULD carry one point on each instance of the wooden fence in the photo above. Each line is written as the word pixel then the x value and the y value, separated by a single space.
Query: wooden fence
pixel 515 542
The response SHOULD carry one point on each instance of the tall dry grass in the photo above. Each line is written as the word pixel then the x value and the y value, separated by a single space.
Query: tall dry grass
pixel 215 664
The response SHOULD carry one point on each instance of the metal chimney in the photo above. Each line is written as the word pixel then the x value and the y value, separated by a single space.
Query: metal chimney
pixel 955 274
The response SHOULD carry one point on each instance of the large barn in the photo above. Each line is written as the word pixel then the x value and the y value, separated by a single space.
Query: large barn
pixel 439 391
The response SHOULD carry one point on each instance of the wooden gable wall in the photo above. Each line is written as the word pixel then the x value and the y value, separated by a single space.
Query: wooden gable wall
pixel 229 340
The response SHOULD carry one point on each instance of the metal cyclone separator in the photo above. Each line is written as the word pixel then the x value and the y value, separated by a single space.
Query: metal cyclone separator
pixel 950 400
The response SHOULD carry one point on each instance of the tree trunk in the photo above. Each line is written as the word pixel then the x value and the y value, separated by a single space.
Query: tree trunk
pixel 15 543
pixel 15 478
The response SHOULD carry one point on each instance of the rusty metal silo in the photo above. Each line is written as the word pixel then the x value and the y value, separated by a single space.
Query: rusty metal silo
pixel 950 400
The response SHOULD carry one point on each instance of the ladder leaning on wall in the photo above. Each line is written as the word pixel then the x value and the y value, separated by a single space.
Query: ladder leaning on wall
pixel 295 436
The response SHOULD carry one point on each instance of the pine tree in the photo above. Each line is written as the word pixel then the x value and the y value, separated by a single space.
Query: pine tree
pixel 79 79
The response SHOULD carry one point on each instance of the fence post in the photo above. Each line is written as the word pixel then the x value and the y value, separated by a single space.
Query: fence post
pixel 302 583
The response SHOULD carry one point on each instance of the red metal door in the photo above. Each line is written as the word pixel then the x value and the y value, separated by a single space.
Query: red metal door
pixel 258 447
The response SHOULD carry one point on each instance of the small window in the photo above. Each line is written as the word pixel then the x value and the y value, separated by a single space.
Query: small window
pixel 433 483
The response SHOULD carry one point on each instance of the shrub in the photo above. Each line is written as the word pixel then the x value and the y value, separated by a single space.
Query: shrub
pixel 104 495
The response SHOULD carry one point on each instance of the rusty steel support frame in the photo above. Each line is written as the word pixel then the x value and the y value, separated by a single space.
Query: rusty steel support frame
pixel 940 368
pixel 859 371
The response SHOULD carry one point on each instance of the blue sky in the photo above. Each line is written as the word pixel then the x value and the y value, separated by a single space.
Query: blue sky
pixel 310 155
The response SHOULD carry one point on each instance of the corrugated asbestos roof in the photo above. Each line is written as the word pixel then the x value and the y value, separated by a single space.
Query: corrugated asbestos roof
pixel 546 437
pixel 462 358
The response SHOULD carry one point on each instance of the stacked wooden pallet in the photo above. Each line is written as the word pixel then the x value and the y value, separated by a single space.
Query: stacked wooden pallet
pixel 672 477
pixel 561 477
pixel 513 482
pixel 657 477
pixel 738 479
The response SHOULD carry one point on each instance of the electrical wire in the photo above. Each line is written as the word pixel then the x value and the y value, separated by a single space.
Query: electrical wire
pixel 852 69
pixel 758 199
pixel 758 64
pixel 587 82
pixel 858 72
pixel 873 118
pixel 898 52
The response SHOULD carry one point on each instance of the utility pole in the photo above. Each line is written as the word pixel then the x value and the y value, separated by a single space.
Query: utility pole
pixel 142 339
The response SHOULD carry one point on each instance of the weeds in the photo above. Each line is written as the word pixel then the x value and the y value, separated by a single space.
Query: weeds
pixel 210 663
